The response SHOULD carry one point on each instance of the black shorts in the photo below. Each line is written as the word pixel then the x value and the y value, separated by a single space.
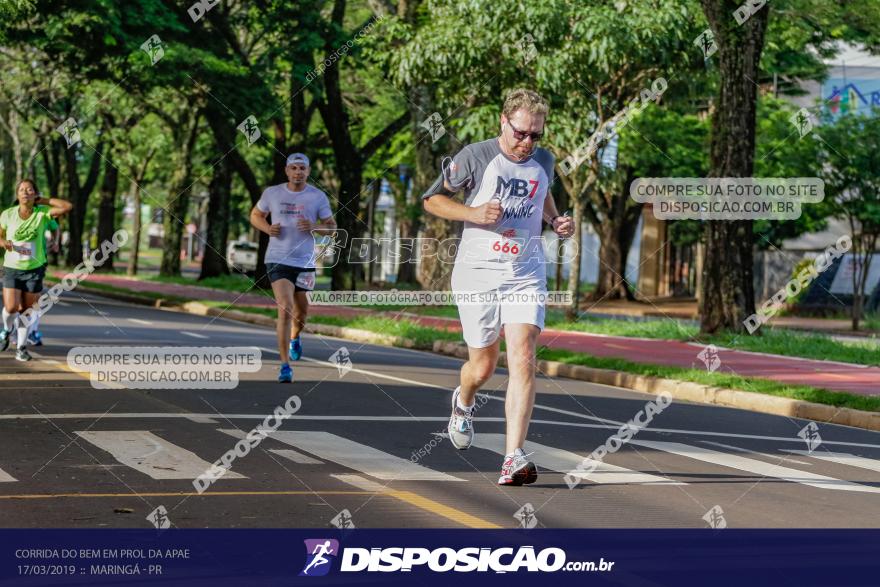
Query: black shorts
pixel 27 280
pixel 302 279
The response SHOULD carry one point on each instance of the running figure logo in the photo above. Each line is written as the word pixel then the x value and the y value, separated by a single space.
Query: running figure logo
pixel 810 434
pixel 154 48
pixel 706 42
pixel 250 129
pixel 70 131
pixel 715 518
pixel 343 520
pixel 434 125
pixel 342 360
pixel 710 358
pixel 319 556
pixel 527 49
pixel 159 518
pixel 526 516
pixel 801 121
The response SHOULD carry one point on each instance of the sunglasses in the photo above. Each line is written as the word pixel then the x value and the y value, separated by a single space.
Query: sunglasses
pixel 521 135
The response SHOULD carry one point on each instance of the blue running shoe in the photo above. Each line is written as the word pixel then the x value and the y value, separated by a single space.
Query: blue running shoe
pixel 296 349
pixel 286 374
pixel 4 340
pixel 35 338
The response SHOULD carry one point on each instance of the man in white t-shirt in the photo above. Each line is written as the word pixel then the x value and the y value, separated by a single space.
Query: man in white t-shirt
pixel 297 210
pixel 499 275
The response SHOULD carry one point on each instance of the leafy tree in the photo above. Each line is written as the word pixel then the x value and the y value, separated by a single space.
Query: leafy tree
pixel 850 157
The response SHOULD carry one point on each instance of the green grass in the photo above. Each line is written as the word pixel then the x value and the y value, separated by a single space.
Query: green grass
pixel 234 282
pixel 667 329
pixel 727 380
pixel 442 311
pixel 774 341
pixel 423 336
pixel 96 286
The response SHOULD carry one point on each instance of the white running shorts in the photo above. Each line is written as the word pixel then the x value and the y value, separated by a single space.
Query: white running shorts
pixel 482 318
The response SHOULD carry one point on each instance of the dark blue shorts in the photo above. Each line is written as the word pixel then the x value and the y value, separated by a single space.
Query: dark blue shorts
pixel 27 280
pixel 302 279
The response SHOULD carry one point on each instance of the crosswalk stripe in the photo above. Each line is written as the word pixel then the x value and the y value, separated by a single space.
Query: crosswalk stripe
pixel 763 454
pixel 360 457
pixel 755 466
pixel 6 477
pixel 145 452
pixel 296 457
pixel 840 457
pixel 290 454
pixel 557 459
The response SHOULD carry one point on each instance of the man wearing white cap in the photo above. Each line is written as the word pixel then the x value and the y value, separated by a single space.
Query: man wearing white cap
pixel 297 210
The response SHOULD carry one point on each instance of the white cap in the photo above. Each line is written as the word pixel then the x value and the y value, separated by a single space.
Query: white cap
pixel 298 158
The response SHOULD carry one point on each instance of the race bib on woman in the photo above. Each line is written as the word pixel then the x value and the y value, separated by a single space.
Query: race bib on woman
pixel 305 280
pixel 21 251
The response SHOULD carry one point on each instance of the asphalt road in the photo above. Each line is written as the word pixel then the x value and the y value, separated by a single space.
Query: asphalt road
pixel 75 456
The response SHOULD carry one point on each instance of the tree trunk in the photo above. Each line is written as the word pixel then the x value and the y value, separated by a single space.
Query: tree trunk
pixel 135 247
pixel 224 136
pixel 214 261
pixel 78 195
pixel 107 211
pixel 728 295
pixel 51 154
pixel 349 166
pixel 76 218
pixel 343 275
pixel 434 272
pixel 574 270
pixel 7 182
pixel 174 217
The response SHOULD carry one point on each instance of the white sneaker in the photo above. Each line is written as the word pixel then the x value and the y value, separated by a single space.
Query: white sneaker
pixel 461 426
pixel 518 470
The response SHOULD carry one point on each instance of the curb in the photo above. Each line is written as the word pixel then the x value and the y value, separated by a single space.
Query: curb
pixel 682 390
pixel 695 392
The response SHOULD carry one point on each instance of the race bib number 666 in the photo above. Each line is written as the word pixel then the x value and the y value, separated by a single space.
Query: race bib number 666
pixel 508 244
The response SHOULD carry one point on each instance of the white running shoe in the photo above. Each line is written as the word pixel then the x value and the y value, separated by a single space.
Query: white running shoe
pixel 518 469
pixel 461 425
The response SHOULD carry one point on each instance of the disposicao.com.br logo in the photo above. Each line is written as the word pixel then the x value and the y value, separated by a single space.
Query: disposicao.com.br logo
pixel 440 560
pixel 320 553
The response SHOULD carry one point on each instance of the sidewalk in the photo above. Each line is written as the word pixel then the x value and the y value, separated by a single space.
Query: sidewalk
pixel 835 376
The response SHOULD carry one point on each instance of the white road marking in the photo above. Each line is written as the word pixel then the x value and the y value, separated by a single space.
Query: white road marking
pixel 6 477
pixel 145 452
pixel 354 418
pixel 198 419
pixel 840 457
pixel 142 322
pixel 753 452
pixel 361 483
pixel 295 456
pixel 193 334
pixel 444 388
pixel 563 461
pixel 360 457
pixel 754 466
